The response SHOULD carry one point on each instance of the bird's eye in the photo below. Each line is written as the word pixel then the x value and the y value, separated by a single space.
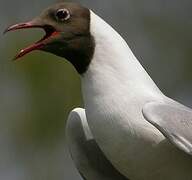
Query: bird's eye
pixel 63 14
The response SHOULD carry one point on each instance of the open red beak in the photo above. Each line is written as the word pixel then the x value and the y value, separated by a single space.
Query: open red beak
pixel 49 30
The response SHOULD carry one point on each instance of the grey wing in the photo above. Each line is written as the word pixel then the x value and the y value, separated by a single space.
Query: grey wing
pixel 86 154
pixel 173 120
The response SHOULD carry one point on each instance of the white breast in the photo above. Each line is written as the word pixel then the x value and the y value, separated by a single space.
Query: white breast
pixel 115 88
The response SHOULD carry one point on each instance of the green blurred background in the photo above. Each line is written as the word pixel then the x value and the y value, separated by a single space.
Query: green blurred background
pixel 38 92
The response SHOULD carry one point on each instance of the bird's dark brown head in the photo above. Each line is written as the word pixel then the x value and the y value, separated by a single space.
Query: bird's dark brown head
pixel 67 28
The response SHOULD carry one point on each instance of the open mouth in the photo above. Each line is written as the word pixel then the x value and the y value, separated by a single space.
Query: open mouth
pixel 49 32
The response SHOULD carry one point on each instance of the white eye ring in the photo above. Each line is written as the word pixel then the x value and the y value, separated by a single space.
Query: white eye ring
pixel 62 14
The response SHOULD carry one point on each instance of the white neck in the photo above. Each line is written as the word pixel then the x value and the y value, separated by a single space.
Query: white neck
pixel 113 63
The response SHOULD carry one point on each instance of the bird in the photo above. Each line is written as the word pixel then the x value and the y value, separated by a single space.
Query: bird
pixel 135 128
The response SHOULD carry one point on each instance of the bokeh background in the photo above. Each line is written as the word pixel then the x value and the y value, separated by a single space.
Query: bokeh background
pixel 38 92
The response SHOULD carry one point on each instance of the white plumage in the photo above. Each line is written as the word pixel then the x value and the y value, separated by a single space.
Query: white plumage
pixel 116 91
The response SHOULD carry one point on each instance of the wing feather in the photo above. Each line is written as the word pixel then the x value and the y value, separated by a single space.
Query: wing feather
pixel 89 159
pixel 173 120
